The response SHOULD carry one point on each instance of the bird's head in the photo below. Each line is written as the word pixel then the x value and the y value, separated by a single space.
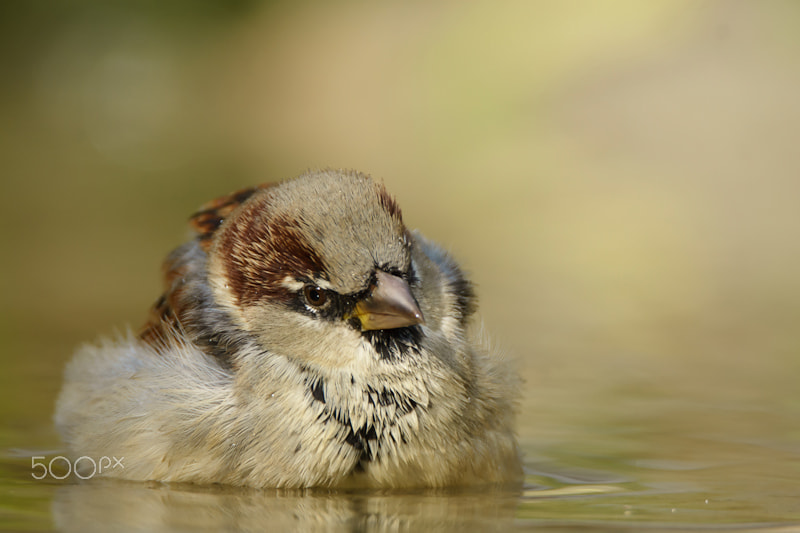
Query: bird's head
pixel 319 269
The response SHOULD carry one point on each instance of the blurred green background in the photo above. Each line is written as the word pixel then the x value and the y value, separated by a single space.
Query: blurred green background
pixel 620 178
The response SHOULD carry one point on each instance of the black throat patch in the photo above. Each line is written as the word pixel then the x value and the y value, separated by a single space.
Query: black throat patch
pixel 395 344
pixel 367 438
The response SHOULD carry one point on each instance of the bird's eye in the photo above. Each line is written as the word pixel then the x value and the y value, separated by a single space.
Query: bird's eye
pixel 315 296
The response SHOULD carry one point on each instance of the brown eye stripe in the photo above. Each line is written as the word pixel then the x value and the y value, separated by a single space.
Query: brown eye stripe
pixel 262 251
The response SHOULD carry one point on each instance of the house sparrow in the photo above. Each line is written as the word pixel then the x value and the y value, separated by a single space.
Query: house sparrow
pixel 305 338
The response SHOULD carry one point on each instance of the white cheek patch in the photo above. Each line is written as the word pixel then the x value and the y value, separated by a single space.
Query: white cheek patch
pixel 312 324
pixel 352 352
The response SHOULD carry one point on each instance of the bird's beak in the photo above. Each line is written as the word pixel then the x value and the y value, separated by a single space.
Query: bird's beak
pixel 390 305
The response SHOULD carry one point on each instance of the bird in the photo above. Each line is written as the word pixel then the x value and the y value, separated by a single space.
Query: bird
pixel 305 338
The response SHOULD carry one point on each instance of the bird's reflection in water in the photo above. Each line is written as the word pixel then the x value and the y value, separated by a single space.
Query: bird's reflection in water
pixel 100 505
